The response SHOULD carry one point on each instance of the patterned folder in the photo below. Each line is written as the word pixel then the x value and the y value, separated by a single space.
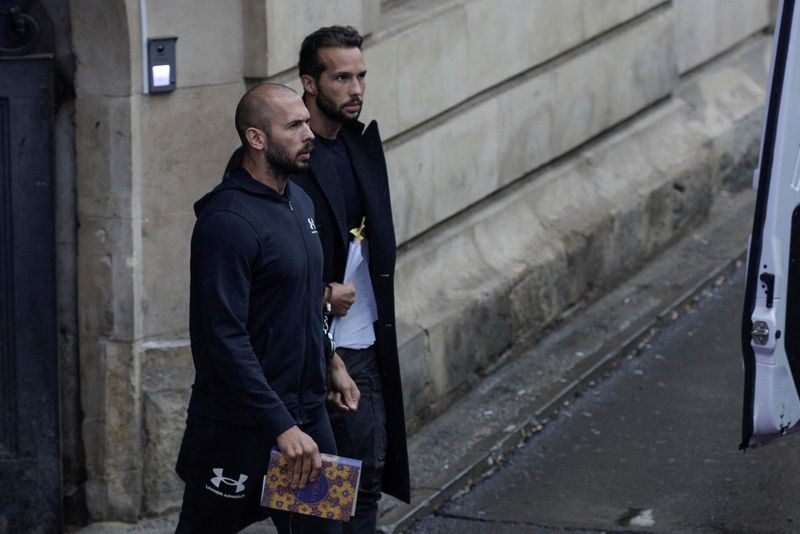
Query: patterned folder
pixel 333 495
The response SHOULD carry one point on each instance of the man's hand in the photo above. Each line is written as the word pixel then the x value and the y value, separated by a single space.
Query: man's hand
pixel 303 455
pixel 343 393
pixel 342 297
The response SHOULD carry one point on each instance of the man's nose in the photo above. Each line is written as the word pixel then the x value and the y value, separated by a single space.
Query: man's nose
pixel 356 87
pixel 308 134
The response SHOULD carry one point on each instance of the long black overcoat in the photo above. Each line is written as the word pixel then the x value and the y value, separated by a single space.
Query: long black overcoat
pixel 323 186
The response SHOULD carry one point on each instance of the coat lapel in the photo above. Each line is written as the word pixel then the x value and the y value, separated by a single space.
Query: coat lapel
pixel 361 160
pixel 328 181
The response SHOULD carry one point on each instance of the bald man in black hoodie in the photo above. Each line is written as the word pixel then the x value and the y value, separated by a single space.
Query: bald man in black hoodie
pixel 256 328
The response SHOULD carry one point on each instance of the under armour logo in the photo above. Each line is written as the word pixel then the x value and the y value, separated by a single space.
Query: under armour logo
pixel 220 479
pixel 312 225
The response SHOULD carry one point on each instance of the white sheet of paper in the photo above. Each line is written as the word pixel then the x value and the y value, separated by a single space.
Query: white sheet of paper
pixel 355 330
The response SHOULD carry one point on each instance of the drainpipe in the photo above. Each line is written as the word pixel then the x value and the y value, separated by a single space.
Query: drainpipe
pixel 143 41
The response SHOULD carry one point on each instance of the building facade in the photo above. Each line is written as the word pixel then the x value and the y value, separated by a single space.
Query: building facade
pixel 506 212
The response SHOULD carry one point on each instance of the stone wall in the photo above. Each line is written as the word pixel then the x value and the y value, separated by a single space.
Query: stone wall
pixel 476 98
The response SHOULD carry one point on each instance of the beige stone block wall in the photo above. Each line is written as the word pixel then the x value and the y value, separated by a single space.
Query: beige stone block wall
pixel 109 247
pixel 104 132
pixel 110 396
pixel 528 123
pixel 274 29
pixel 586 220
pixel 167 375
pixel 468 47
pixel 107 62
pixel 196 124
pixel 107 141
pixel 165 274
pixel 707 28
pixel 433 55
pixel 189 136
pixel 451 316
pixel 210 45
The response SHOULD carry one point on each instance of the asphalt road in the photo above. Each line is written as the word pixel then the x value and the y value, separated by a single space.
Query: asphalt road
pixel 653 448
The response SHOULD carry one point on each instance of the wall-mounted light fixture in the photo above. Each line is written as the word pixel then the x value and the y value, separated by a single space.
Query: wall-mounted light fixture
pixel 161 64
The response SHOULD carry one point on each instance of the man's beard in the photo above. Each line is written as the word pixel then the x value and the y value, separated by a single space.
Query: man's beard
pixel 328 107
pixel 282 162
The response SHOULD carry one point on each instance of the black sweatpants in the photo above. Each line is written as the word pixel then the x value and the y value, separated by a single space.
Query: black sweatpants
pixel 223 466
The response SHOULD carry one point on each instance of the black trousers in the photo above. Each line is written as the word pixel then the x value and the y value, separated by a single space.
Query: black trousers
pixel 223 466
pixel 362 435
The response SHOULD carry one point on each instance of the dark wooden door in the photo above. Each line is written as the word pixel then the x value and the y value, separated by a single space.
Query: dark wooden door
pixel 30 464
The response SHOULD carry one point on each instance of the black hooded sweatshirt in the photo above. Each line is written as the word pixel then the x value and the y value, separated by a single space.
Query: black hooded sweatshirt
pixel 256 306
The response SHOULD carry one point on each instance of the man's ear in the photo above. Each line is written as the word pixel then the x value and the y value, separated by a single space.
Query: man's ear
pixel 256 138
pixel 309 85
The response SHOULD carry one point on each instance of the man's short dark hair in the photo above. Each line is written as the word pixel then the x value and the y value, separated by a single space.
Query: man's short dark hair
pixel 329 37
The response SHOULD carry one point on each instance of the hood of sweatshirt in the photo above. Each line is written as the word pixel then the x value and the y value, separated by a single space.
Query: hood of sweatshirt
pixel 236 177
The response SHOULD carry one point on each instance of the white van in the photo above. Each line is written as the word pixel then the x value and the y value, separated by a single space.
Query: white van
pixel 771 319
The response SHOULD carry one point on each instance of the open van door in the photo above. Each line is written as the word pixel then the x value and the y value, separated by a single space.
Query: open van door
pixel 771 317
